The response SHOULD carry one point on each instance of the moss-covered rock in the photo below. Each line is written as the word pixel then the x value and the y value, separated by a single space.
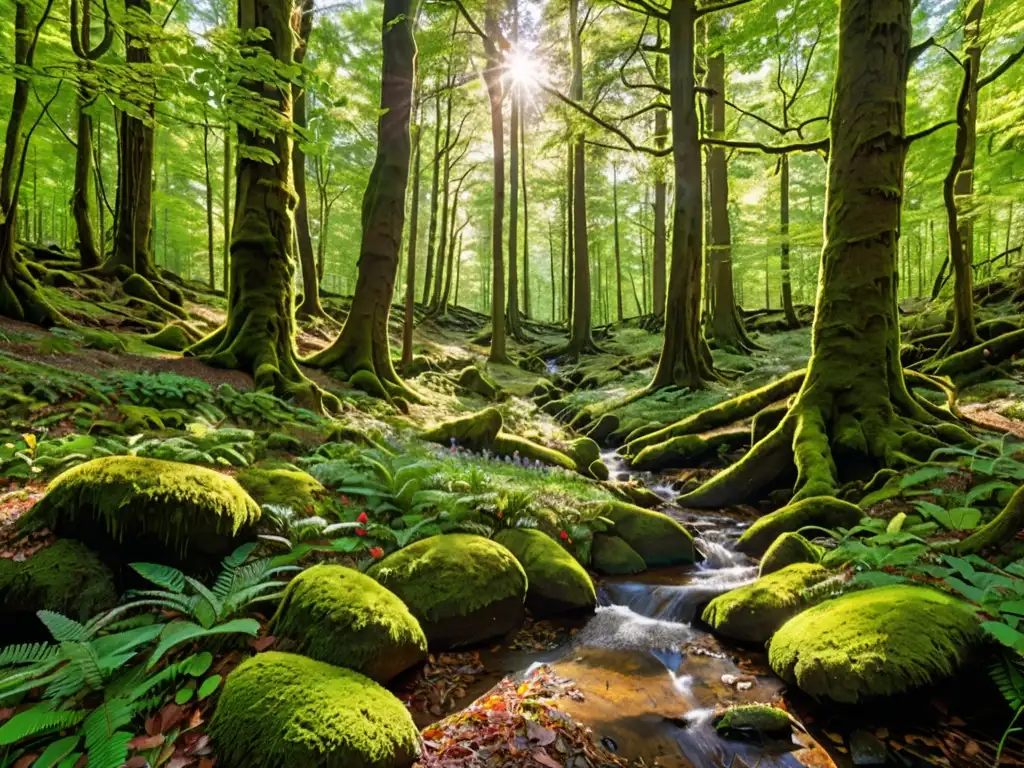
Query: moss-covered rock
pixel 463 589
pixel 179 509
pixel 66 577
pixel 877 642
pixel 476 431
pixel 505 444
pixel 754 612
pixel 611 556
pixel 823 511
pixel 281 710
pixel 598 470
pixel 557 584
pixel 345 618
pixel 635 494
pixel 281 487
pixel 171 337
pixel 476 381
pixel 584 452
pixel 752 721
pixel 657 538
pixel 788 549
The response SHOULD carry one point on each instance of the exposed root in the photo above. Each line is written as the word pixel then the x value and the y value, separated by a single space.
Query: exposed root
pixel 22 299
pixel 986 354
pixel 1000 530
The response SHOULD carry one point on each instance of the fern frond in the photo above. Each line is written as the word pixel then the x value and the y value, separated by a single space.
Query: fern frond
pixel 112 752
pixel 63 629
pixel 28 653
pixel 83 658
pixel 42 718
pixel 161 575
pixel 1008 675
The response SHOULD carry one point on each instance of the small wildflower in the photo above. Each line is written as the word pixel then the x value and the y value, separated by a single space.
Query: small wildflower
pixel 344 500
pixel 360 531
pixel 564 535
pixel 376 553
pixel 362 518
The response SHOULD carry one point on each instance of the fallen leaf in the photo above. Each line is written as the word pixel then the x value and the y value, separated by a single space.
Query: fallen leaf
pixel 147 742
pixel 538 733
pixel 543 759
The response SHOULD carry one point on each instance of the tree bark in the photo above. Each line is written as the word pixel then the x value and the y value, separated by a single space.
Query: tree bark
pixel 492 79
pixel 435 187
pixel 362 350
pixel 442 248
pixel 526 221
pixel 414 221
pixel 660 201
pixel 209 208
pixel 512 314
pixel 226 204
pixel 618 248
pixel 259 333
pixel 787 285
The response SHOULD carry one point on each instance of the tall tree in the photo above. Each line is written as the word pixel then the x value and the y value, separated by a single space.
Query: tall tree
pixel 512 313
pixel 660 194
pixel 362 350
pixel 259 333
pixel 618 251
pixel 435 188
pixel 414 221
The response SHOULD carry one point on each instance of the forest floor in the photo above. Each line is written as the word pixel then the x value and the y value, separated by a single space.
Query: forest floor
pixel 644 675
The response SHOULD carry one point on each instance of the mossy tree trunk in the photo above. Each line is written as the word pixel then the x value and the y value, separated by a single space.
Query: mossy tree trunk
pixel 363 344
pixel 210 262
pixel 685 359
pixel 492 79
pixel 435 186
pixel 512 313
pixel 784 256
pixel 310 305
pixel 414 213
pixel 853 414
pixel 226 204
pixel 526 220
pixel 660 200
pixel 568 277
pixel 132 252
pixel 726 325
pixel 258 335
pixel 20 297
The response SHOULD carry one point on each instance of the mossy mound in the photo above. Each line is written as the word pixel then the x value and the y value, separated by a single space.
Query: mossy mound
pixel 788 549
pixel 584 452
pixel 66 577
pixel 281 710
pixel 752 721
pixel 463 589
pixel 822 511
pixel 611 556
pixel 282 487
pixel 557 584
pixel 178 508
pixel 345 618
pixel 878 642
pixel 476 431
pixel 753 613
pixel 476 381
pixel 635 494
pixel 171 337
pixel 598 470
pixel 505 444
pixel 367 382
pixel 657 538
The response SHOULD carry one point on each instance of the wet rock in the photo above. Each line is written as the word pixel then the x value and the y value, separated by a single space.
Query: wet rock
pixel 752 721
pixel 867 749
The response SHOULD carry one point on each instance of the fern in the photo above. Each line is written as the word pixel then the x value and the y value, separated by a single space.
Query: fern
pixel 28 653
pixel 40 719
pixel 1008 675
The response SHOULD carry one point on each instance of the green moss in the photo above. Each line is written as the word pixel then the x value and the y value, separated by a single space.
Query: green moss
pixel 877 642
pixel 611 556
pixel 66 577
pixel 598 470
pixel 178 506
pixel 824 511
pixel 787 549
pixel 462 588
pixel 635 494
pixel 753 720
pixel 754 612
pixel 281 441
pixel 367 381
pixel 685 450
pixel 505 444
pixel 281 487
pixel 281 710
pixel 657 538
pixel 345 618
pixel 171 337
pixel 476 431
pixel 556 582
pixel 584 452
pixel 476 381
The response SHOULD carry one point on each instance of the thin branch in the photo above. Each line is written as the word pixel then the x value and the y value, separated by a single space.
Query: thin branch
pixel 910 138
pixel 1010 60
pixel 605 124
pixel 46 111
pixel 917 50
pixel 643 110
pixel 715 7
pixel 469 19
pixel 821 145
pixel 643 7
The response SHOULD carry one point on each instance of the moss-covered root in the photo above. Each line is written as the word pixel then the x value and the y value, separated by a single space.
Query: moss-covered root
pixel 506 444
pixel 476 381
pixel 723 414
pixel 999 530
pixel 174 337
pixel 988 353
pixel 476 431
pixel 281 710
pixel 21 298
pixel 820 511
pixel 685 450
pixel 138 287
pixel 877 642
pixel 344 617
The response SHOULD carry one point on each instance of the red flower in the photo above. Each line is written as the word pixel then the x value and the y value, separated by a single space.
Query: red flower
pixel 564 535
pixel 360 531
pixel 362 518
pixel 344 500
pixel 376 553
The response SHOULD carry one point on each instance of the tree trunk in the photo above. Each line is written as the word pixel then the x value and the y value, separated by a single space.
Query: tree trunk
pixel 660 201
pixel 526 223
pixel 414 222
pixel 551 252
pixel 618 249
pixel 435 187
pixel 853 414
pixel 442 248
pixel 458 271
pixel 512 314
pixel 258 336
pixel 492 79
pixel 362 350
pixel 685 359
pixel 226 204
pixel 209 208
pixel 570 259
pixel 787 286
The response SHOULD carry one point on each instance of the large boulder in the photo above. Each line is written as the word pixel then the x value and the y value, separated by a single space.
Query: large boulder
pixel 557 584
pixel 463 589
pixel 877 642
pixel 282 487
pixel 752 613
pixel 788 549
pixel 611 556
pixel 66 577
pixel 281 710
pixel 345 618
pixel 657 538
pixel 822 511
pixel 150 506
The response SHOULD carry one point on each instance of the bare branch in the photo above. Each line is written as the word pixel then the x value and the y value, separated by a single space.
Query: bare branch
pixel 770 149
pixel 1010 60
pixel 912 137
pixel 920 48
pixel 715 7
pixel 644 7
pixel 605 124
pixel 469 19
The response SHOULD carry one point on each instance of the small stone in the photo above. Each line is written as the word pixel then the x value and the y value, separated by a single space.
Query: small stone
pixel 744 685
pixel 867 749
pixel 729 679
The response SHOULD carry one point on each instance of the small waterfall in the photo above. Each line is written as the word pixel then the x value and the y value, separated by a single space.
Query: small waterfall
pixel 618 627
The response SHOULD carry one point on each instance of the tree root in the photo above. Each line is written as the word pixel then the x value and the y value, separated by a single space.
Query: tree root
pixel 998 531
pixel 987 353
pixel 367 366
pixel 21 297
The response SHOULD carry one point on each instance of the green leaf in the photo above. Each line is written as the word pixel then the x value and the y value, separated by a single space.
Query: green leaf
pixel 183 696
pixel 57 751
pixel 178 632
pixel 161 575
pixel 199 663
pixel 209 685
pixel 925 474
pixel 1011 638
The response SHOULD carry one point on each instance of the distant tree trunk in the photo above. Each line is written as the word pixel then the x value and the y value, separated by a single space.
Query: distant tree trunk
pixel 562 251
pixel 787 287
pixel 526 223
pixel 660 201
pixel 512 313
pixel 362 350
pixel 258 335
pixel 310 306
pixel 726 324
pixel 570 256
pixel 458 270
pixel 551 251
pixel 226 203
pixel 442 248
pixel 20 296
pixel 132 252
pixel 618 250
pixel 414 219
pixel 446 293
pixel 209 208
pixel 492 78
pixel 685 359
pixel 435 186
